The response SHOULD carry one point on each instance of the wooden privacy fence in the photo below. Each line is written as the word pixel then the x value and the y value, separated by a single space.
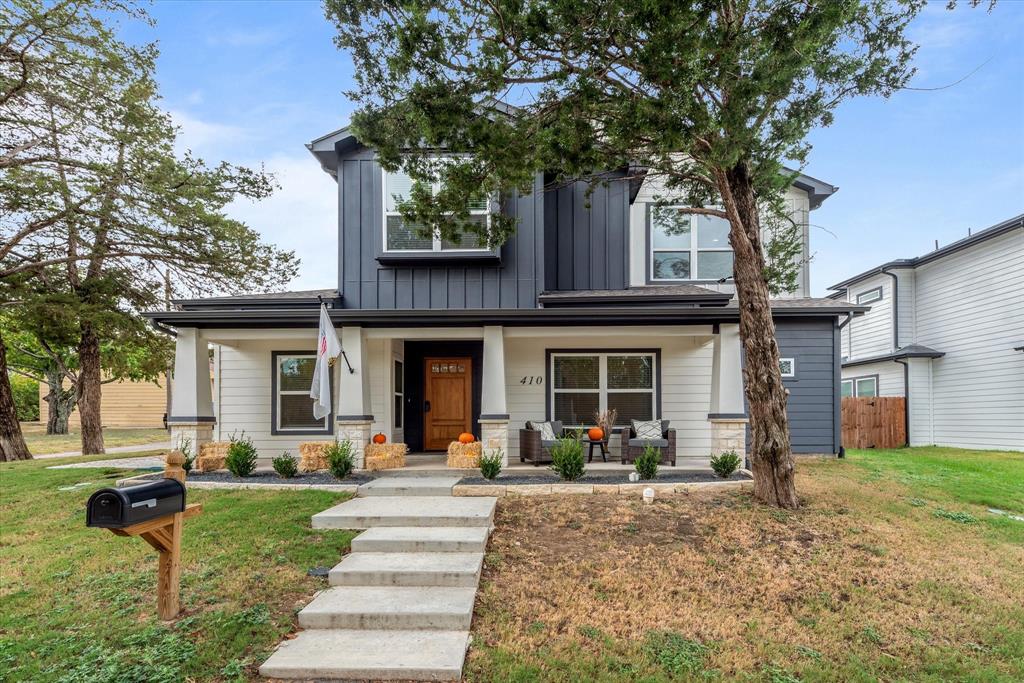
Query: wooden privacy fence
pixel 874 422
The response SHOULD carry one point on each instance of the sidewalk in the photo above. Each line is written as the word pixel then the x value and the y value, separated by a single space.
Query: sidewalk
pixel 116 449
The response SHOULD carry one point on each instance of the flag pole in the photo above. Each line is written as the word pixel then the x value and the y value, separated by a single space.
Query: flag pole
pixel 351 370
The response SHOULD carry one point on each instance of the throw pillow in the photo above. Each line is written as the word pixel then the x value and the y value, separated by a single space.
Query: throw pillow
pixel 649 429
pixel 547 433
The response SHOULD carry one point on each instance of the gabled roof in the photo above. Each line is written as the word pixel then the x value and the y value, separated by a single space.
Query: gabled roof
pixel 996 230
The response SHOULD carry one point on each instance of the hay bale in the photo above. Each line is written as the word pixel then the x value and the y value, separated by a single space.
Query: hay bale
pixel 212 455
pixel 311 455
pixel 384 456
pixel 464 455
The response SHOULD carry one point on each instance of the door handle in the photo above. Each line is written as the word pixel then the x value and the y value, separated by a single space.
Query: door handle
pixel 426 406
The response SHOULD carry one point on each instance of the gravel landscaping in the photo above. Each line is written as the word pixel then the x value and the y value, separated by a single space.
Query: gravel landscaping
pixel 271 477
pixel 613 477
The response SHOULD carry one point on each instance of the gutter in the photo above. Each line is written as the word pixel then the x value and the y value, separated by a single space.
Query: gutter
pixel 160 327
pixel 895 307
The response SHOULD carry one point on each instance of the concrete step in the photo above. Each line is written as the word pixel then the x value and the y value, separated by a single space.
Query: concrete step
pixel 369 654
pixel 391 607
pixel 408 569
pixel 409 486
pixel 365 513
pixel 412 539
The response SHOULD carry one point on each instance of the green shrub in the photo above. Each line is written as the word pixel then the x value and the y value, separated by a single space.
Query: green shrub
pixel 339 458
pixel 241 459
pixel 725 463
pixel 26 397
pixel 490 464
pixel 646 463
pixel 567 457
pixel 286 466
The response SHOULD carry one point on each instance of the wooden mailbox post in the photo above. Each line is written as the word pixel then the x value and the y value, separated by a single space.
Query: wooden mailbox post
pixel 164 534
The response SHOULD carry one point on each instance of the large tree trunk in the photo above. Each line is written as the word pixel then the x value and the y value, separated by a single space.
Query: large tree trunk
pixel 12 443
pixel 771 458
pixel 59 401
pixel 90 383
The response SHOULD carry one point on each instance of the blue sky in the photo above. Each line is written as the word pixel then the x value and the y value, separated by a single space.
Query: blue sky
pixel 251 82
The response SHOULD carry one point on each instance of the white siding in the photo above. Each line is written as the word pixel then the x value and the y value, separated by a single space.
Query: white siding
pixel 890 376
pixel 870 334
pixel 244 398
pixel 922 421
pixel 970 305
pixel 907 310
pixel 685 391
pixel 652 190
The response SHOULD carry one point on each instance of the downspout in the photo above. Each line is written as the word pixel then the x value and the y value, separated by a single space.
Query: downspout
pixel 895 347
pixel 906 393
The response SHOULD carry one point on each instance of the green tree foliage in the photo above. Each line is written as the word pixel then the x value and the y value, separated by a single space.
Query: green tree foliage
pixel 711 98
pixel 97 206
pixel 26 398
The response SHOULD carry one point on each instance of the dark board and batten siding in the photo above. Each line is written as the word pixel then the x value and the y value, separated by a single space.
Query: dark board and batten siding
pixel 812 405
pixel 587 236
pixel 366 283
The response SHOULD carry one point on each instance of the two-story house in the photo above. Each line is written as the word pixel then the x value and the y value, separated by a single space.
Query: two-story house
pixel 592 304
pixel 945 330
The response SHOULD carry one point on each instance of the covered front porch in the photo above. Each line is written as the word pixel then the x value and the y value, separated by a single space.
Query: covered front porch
pixel 423 386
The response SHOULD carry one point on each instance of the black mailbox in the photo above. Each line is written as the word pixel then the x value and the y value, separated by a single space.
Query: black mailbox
pixel 118 508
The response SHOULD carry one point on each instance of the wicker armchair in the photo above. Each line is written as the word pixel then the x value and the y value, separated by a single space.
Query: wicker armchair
pixel 532 448
pixel 632 446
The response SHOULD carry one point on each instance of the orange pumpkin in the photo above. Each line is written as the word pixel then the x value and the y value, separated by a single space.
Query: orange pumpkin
pixel 595 433
pixel 466 437
pixel 379 438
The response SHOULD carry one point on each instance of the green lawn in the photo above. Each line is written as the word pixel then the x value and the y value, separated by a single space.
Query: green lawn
pixel 78 604
pixel 41 443
pixel 892 570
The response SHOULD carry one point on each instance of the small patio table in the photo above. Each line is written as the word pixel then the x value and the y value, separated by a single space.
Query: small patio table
pixel 603 444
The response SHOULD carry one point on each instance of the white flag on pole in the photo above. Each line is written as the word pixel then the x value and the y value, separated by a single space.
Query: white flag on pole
pixel 328 348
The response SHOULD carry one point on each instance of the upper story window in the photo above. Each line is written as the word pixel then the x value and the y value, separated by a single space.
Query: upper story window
pixel 688 246
pixel 869 296
pixel 402 236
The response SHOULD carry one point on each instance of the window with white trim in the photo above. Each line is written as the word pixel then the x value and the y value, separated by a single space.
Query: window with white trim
pixel 870 296
pixel 787 366
pixel 402 236
pixel 584 383
pixel 688 246
pixel 399 394
pixel 864 387
pixel 293 406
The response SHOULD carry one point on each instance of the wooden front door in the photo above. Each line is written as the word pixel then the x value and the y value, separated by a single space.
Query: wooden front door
pixel 448 401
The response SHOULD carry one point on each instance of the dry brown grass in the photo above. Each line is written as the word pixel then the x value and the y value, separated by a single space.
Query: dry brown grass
pixel 859 582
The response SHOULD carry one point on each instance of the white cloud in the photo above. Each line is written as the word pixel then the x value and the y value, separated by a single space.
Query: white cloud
pixel 301 216
pixel 205 138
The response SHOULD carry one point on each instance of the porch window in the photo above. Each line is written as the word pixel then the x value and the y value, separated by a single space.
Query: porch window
pixel 399 397
pixel 402 236
pixel 585 383
pixel 688 246
pixel 293 408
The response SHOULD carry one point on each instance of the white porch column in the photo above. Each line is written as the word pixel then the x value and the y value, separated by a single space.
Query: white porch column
pixel 191 416
pixel 493 406
pixel 726 412
pixel 354 418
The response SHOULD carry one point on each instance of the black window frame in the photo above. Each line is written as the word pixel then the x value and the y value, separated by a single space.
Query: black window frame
pixel 549 378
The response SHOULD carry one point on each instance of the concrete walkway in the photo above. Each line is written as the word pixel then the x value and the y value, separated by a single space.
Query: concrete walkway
pixel 401 603
pixel 115 449
pixel 148 462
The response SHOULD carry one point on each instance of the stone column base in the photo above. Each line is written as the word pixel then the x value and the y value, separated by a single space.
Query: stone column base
pixel 729 434
pixel 194 434
pixel 358 432
pixel 494 435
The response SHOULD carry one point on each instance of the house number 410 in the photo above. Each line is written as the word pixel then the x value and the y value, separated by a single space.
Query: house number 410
pixel 532 379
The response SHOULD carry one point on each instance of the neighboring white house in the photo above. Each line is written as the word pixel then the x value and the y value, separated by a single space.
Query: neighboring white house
pixel 946 330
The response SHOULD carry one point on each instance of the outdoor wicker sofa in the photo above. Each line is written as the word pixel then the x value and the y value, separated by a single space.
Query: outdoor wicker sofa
pixel 532 448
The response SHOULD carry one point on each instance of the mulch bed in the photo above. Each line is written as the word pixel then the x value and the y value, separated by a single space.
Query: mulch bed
pixel 271 477
pixel 613 477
